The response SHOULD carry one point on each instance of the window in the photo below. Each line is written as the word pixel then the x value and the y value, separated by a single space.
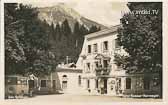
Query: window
pixel 96 64
pixel 146 83
pixel 64 81
pixel 43 83
pixel 105 45
pixel 89 48
pixel 88 83
pixel 64 78
pixel 95 47
pixel 97 83
pixel 64 84
pixel 105 63
pixel 88 66
pixel 116 44
pixel 128 83
pixel 79 80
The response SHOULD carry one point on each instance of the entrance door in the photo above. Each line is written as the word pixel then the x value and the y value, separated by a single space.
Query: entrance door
pixel 31 84
pixel 54 85
pixel 105 86
pixel 64 85
pixel 31 87
pixel 118 85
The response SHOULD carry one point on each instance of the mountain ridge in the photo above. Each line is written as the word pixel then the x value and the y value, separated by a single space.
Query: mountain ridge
pixel 58 13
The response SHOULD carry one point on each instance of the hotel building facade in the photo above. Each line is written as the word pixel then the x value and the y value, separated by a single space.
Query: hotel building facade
pixel 100 73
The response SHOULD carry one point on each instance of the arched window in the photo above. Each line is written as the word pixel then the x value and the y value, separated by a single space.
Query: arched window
pixel 64 78
pixel 79 80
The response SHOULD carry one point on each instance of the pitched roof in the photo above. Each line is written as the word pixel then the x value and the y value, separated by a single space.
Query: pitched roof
pixel 103 32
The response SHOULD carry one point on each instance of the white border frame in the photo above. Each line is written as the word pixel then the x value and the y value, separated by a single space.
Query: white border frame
pixel 165 53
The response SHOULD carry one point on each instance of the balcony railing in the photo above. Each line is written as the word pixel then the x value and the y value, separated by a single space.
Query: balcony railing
pixel 102 71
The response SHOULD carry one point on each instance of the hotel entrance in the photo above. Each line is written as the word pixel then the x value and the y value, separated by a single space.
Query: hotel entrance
pixel 103 85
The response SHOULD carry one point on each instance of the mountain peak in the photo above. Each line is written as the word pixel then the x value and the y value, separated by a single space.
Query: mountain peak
pixel 58 13
pixel 68 10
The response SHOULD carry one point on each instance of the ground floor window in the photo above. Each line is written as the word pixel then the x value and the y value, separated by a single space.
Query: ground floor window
pixel 64 81
pixel 79 80
pixel 96 80
pixel 88 83
pixel 128 83
pixel 43 83
pixel 64 84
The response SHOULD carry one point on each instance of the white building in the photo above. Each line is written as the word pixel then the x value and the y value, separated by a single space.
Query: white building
pixel 102 75
pixel 68 80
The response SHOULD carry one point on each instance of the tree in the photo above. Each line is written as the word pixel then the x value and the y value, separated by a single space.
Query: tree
pixel 141 37
pixel 58 32
pixel 83 31
pixel 14 54
pixel 25 37
pixel 66 30
pixel 52 30
pixel 76 34
pixel 94 29
pixel 64 41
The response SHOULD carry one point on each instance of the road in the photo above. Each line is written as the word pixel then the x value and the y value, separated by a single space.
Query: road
pixel 72 98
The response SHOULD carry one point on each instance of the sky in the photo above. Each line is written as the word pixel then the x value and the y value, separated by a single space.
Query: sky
pixel 107 13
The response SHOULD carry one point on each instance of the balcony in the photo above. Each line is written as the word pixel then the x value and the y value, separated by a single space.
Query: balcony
pixel 117 50
pixel 102 71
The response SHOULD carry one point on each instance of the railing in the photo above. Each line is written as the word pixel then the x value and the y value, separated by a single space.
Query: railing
pixel 102 71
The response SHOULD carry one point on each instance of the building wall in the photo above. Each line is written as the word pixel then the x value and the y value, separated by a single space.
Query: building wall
pixel 90 58
pixel 70 86
pixel 49 84
pixel 72 82
pixel 116 79
pixel 138 85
